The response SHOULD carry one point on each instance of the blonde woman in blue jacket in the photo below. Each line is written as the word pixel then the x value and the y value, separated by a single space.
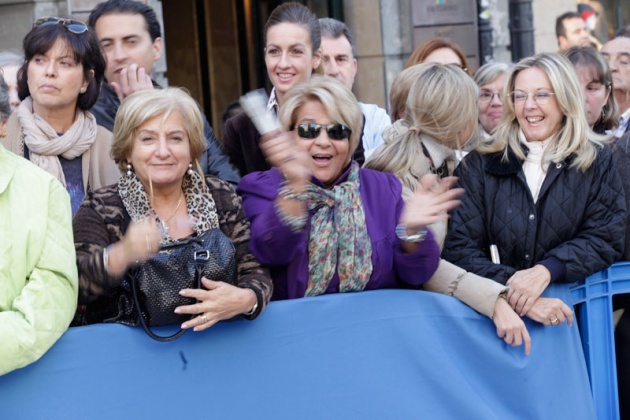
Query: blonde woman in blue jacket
pixel 38 273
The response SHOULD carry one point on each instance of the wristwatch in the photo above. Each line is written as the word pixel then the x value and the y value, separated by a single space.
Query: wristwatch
pixel 401 232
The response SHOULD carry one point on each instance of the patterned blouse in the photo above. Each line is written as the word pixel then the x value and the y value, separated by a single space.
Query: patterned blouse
pixel 103 220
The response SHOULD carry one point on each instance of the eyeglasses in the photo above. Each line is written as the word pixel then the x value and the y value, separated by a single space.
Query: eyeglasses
pixel 487 96
pixel 541 98
pixel 74 26
pixel 335 131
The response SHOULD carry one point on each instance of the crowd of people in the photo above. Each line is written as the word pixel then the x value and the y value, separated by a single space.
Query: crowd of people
pixel 489 186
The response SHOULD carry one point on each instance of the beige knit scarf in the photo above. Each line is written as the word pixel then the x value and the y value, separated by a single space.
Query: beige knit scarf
pixel 45 145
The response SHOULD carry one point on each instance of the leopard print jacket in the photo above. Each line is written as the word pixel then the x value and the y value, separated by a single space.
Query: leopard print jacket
pixel 103 220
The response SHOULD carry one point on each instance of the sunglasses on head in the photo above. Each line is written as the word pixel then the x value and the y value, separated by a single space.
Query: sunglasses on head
pixel 335 131
pixel 74 26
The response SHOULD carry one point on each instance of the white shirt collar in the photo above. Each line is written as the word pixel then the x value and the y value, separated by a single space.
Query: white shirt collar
pixel 623 123
pixel 439 152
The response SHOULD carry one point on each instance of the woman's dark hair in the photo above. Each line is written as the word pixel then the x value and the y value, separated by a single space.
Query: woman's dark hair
pixel 5 106
pixel 86 49
pixel 592 59
pixel 298 14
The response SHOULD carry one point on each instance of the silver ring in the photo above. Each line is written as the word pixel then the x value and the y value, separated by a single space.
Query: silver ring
pixel 554 321
pixel 204 319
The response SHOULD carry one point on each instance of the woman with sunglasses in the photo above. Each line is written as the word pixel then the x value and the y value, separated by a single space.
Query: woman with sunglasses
pixel 544 192
pixel 57 84
pixel 323 224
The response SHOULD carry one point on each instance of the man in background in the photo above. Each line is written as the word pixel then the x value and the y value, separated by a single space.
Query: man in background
pixel 617 53
pixel 571 31
pixel 130 35
pixel 340 62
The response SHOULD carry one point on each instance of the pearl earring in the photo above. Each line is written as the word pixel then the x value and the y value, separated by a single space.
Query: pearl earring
pixel 82 90
pixel 129 169
pixel 190 169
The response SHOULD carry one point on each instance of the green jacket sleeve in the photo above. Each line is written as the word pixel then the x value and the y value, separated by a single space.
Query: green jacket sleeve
pixel 42 292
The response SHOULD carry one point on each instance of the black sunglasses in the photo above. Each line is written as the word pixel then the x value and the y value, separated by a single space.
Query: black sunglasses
pixel 74 26
pixel 335 131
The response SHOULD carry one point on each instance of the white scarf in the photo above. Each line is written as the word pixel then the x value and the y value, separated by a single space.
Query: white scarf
pixel 45 145
pixel 534 167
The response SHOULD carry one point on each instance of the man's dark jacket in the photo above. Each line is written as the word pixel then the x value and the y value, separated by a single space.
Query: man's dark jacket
pixel 213 161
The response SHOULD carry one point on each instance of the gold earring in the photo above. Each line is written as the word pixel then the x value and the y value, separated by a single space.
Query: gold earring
pixel 3 135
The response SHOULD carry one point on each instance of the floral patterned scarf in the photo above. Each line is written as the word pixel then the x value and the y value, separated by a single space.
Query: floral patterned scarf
pixel 338 239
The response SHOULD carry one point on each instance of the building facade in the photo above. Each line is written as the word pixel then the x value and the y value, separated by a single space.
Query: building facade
pixel 214 47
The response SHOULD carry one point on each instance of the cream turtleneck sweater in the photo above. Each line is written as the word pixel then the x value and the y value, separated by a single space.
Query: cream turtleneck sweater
pixel 534 167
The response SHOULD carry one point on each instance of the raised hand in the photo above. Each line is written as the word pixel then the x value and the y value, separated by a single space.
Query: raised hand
pixel 282 152
pixel 130 80
pixel 431 202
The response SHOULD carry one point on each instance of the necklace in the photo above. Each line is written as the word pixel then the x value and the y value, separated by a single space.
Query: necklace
pixel 165 221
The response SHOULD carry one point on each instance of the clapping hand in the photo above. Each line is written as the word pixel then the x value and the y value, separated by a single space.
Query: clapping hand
pixel 141 240
pixel 282 152
pixel 431 202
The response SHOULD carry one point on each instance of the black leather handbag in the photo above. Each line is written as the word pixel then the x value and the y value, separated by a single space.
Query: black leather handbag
pixel 156 283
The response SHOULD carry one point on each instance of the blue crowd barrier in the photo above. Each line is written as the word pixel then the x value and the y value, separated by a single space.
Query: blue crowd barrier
pixel 594 296
pixel 386 354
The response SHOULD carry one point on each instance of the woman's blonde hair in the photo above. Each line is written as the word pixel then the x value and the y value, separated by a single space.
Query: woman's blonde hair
pixel 441 104
pixel 141 106
pixel 339 102
pixel 399 91
pixel 574 137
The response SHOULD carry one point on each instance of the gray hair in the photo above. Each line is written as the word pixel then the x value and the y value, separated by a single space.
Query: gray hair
pixel 490 72
pixel 333 28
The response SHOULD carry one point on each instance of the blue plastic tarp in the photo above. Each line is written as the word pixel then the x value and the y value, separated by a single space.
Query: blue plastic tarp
pixel 387 354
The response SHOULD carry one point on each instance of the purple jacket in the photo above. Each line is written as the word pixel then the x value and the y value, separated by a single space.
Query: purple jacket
pixel 285 252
